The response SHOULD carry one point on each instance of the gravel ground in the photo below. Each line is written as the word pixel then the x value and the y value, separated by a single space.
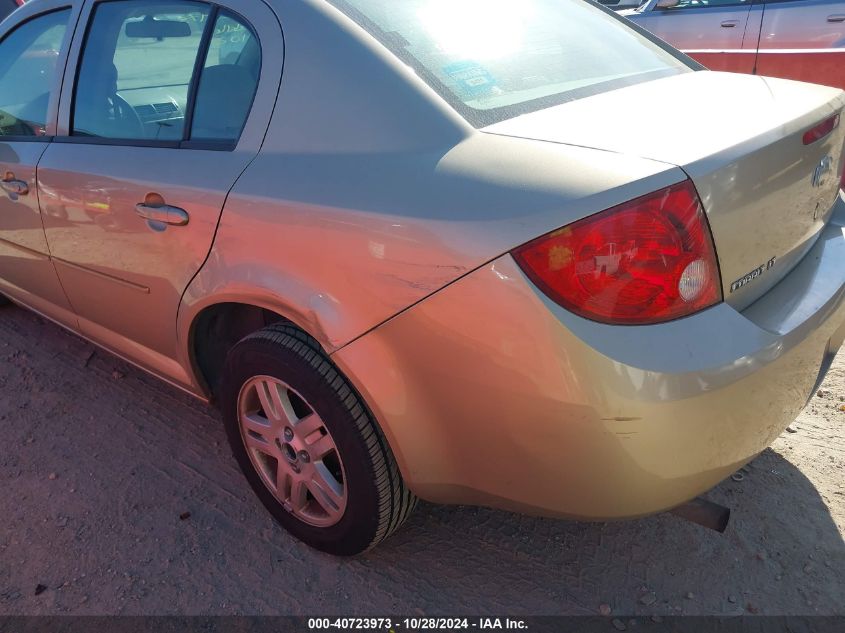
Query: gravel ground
pixel 118 495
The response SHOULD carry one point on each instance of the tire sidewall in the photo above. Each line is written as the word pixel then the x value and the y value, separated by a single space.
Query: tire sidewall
pixel 289 362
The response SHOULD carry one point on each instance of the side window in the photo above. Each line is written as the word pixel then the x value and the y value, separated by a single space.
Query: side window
pixel 704 4
pixel 228 81
pixel 136 70
pixel 28 58
pixel 138 76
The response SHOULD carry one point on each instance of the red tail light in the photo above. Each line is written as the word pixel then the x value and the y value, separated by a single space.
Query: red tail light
pixel 821 130
pixel 646 261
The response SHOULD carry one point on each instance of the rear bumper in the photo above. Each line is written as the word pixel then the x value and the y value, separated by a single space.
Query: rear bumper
pixel 490 394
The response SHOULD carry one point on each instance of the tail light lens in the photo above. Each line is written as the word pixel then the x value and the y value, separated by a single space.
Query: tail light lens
pixel 646 261
pixel 821 130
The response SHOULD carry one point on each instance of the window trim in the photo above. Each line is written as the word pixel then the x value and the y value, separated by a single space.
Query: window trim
pixel 199 63
pixel 681 10
pixel 211 145
pixel 59 72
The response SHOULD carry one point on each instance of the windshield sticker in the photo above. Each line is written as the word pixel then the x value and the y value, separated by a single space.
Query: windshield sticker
pixel 472 79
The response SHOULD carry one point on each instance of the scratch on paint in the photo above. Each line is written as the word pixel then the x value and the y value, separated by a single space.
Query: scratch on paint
pixel 620 419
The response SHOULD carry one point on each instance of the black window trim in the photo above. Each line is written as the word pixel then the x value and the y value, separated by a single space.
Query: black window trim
pixel 65 44
pixel 210 144
pixel 226 145
pixel 199 64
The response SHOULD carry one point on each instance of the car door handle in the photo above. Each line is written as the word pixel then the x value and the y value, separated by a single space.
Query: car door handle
pixel 836 18
pixel 729 24
pixel 162 213
pixel 11 185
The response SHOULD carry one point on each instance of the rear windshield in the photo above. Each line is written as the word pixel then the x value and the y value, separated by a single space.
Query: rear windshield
pixel 496 59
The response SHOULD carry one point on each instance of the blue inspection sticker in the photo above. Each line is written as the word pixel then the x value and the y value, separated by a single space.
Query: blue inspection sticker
pixel 472 79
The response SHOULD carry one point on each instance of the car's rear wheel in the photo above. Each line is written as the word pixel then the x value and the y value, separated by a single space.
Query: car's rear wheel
pixel 308 445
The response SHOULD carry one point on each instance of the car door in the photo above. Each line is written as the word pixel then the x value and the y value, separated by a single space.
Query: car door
pixel 163 107
pixel 803 40
pixel 33 49
pixel 711 31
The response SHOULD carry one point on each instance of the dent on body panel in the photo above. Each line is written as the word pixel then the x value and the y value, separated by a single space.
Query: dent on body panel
pixel 334 273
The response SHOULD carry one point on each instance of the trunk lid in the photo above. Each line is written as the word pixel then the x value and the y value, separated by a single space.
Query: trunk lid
pixel 740 138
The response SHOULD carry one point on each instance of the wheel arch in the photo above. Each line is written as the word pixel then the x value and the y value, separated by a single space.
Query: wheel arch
pixel 250 312
pixel 209 327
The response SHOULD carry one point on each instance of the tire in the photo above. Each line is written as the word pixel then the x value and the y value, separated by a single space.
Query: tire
pixel 4 301
pixel 280 368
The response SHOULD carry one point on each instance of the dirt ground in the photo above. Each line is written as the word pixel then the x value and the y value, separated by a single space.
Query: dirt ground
pixel 118 495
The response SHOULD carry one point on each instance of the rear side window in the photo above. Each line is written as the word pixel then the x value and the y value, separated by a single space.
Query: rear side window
pixel 150 68
pixel 496 59
pixel 28 58
pixel 136 70
pixel 228 81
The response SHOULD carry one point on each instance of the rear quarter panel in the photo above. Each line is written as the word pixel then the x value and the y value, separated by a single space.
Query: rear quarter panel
pixel 340 243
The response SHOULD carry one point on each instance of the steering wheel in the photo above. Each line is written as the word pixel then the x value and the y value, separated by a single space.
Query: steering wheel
pixel 125 113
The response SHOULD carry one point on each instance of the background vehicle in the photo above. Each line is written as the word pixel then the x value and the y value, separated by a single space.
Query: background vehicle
pixel 7 6
pixel 792 39
pixel 416 265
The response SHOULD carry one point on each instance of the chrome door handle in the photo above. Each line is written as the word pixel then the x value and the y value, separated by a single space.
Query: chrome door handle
pixel 18 187
pixel 729 24
pixel 162 213
pixel 836 18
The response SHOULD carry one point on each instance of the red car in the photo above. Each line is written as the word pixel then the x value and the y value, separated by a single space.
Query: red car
pixel 793 39
pixel 7 6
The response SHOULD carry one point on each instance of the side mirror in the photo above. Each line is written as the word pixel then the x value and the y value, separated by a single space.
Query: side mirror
pixel 666 4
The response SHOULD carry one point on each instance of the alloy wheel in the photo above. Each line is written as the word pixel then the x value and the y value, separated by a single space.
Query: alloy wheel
pixel 292 450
